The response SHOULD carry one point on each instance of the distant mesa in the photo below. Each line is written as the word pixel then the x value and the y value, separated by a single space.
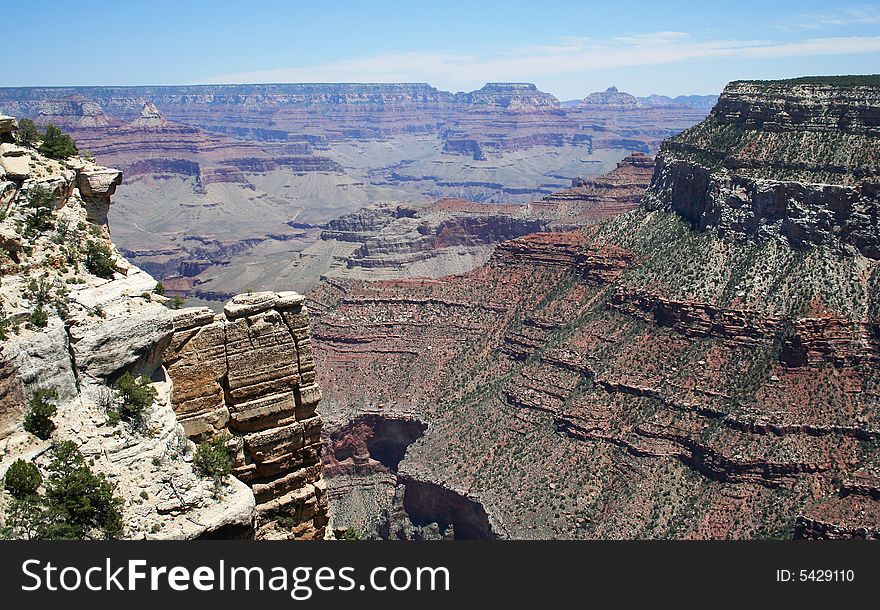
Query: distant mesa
pixel 509 96
pixel 74 111
pixel 611 98
pixel 150 117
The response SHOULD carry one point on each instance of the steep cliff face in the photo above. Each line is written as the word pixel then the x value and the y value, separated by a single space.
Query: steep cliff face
pixel 645 378
pixel 796 161
pixel 251 371
pixel 73 333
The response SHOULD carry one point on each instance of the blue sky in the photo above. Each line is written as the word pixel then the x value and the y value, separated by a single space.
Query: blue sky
pixel 566 48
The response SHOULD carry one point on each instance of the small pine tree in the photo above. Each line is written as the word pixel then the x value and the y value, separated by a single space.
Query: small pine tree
pixel 38 419
pixel 39 207
pixel 212 459
pixel 136 395
pixel 39 317
pixel 176 302
pixel 79 503
pixel 28 134
pixel 57 145
pixel 159 289
pixel 99 260
pixel 24 519
pixel 22 479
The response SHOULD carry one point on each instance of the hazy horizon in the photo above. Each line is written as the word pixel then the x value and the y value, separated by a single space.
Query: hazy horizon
pixel 218 84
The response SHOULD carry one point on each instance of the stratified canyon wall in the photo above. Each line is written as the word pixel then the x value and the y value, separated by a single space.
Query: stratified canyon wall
pixel 797 162
pixel 230 186
pixel 251 372
pixel 704 366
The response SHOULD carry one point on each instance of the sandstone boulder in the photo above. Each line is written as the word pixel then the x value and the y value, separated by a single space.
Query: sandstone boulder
pixel 96 185
pixel 15 162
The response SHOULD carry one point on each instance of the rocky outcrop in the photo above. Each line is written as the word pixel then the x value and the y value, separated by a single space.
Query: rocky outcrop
pixel 74 333
pixel 592 200
pixel 150 117
pixel 97 185
pixel 8 125
pixel 363 224
pixel 251 371
pixel 740 207
pixel 788 160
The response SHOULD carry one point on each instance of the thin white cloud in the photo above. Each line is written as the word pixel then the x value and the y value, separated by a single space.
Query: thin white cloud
pixel 453 70
pixel 864 14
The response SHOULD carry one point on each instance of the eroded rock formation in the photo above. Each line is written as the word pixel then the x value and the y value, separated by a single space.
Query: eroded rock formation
pixel 791 161
pixel 251 371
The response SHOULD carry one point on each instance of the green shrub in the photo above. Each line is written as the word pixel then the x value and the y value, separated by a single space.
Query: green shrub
pixel 39 207
pixel 57 145
pixel 159 289
pixel 38 418
pixel 99 260
pixel 22 479
pixel 136 396
pixel 4 324
pixel 212 458
pixel 352 534
pixel 113 417
pixel 176 302
pixel 78 504
pixel 28 134
pixel 39 317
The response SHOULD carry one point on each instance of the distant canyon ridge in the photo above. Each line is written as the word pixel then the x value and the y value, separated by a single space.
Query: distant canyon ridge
pixel 237 187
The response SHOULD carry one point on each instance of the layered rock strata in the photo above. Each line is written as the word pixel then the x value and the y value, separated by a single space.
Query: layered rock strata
pixel 644 378
pixel 251 371
pixel 792 161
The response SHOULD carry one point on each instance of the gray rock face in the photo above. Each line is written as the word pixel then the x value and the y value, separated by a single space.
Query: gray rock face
pixel 29 364
pixel 792 161
pixel 129 342
pixel 800 214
